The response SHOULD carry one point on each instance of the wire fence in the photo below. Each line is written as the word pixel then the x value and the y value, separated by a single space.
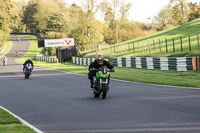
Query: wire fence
pixel 172 45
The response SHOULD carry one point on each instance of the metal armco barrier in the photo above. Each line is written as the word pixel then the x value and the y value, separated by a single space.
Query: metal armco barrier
pixel 42 57
pixel 163 63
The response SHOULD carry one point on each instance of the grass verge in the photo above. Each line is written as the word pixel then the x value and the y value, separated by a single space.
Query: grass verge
pixel 9 124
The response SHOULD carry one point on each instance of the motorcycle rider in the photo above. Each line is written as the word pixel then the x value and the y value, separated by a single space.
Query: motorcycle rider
pixel 4 60
pixel 97 65
pixel 26 62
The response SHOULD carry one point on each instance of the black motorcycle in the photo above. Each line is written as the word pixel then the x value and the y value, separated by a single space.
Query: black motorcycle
pixel 28 70
pixel 101 82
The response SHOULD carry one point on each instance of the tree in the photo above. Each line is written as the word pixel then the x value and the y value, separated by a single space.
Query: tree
pixel 194 11
pixel 124 11
pixel 115 12
pixel 29 15
pixel 78 25
pixel 164 17
pixel 80 34
pixel 57 22
pixel 85 27
pixel 9 17
pixel 97 30
pixel 115 15
pixel 180 11
pixel 75 13
pixel 91 8
pixel 20 26
pixel 37 13
pixel 110 10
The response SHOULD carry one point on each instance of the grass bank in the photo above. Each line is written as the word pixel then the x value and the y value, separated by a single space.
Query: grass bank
pixel 155 44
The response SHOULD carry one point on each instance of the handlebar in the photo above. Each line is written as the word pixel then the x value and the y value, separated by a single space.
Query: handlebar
pixel 96 70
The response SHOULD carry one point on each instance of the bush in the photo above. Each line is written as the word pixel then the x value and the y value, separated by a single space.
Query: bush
pixel 51 51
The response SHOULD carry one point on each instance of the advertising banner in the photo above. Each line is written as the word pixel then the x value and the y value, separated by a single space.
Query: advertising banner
pixel 59 42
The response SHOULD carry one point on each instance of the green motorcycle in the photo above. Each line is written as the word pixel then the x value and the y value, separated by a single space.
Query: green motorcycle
pixel 101 82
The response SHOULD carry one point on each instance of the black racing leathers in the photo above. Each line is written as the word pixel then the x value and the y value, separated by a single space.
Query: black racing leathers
pixel 28 61
pixel 96 65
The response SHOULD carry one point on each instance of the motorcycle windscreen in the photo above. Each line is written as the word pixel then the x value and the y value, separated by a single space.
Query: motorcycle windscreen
pixel 29 66
pixel 104 69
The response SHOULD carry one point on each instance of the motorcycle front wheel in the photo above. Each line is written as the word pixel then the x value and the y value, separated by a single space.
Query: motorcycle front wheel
pixel 104 91
pixel 27 74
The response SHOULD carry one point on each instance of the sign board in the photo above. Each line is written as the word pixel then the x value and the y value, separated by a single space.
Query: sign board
pixel 58 42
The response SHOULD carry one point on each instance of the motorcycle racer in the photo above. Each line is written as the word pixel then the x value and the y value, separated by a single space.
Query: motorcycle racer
pixel 26 62
pixel 97 64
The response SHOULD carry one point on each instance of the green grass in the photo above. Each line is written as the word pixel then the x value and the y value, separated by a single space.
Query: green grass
pixel 9 124
pixel 15 128
pixel 174 78
pixel 5 118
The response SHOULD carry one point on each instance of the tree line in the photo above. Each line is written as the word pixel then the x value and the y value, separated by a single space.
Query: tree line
pixel 177 12
pixel 56 20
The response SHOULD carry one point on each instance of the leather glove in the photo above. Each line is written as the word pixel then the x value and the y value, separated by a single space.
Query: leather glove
pixel 93 69
pixel 113 69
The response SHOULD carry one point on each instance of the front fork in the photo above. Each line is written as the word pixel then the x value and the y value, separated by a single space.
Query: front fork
pixel 100 83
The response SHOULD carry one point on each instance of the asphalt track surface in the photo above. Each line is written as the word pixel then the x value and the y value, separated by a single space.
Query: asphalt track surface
pixel 59 102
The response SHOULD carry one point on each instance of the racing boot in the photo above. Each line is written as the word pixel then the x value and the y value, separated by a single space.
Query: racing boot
pixel 91 84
